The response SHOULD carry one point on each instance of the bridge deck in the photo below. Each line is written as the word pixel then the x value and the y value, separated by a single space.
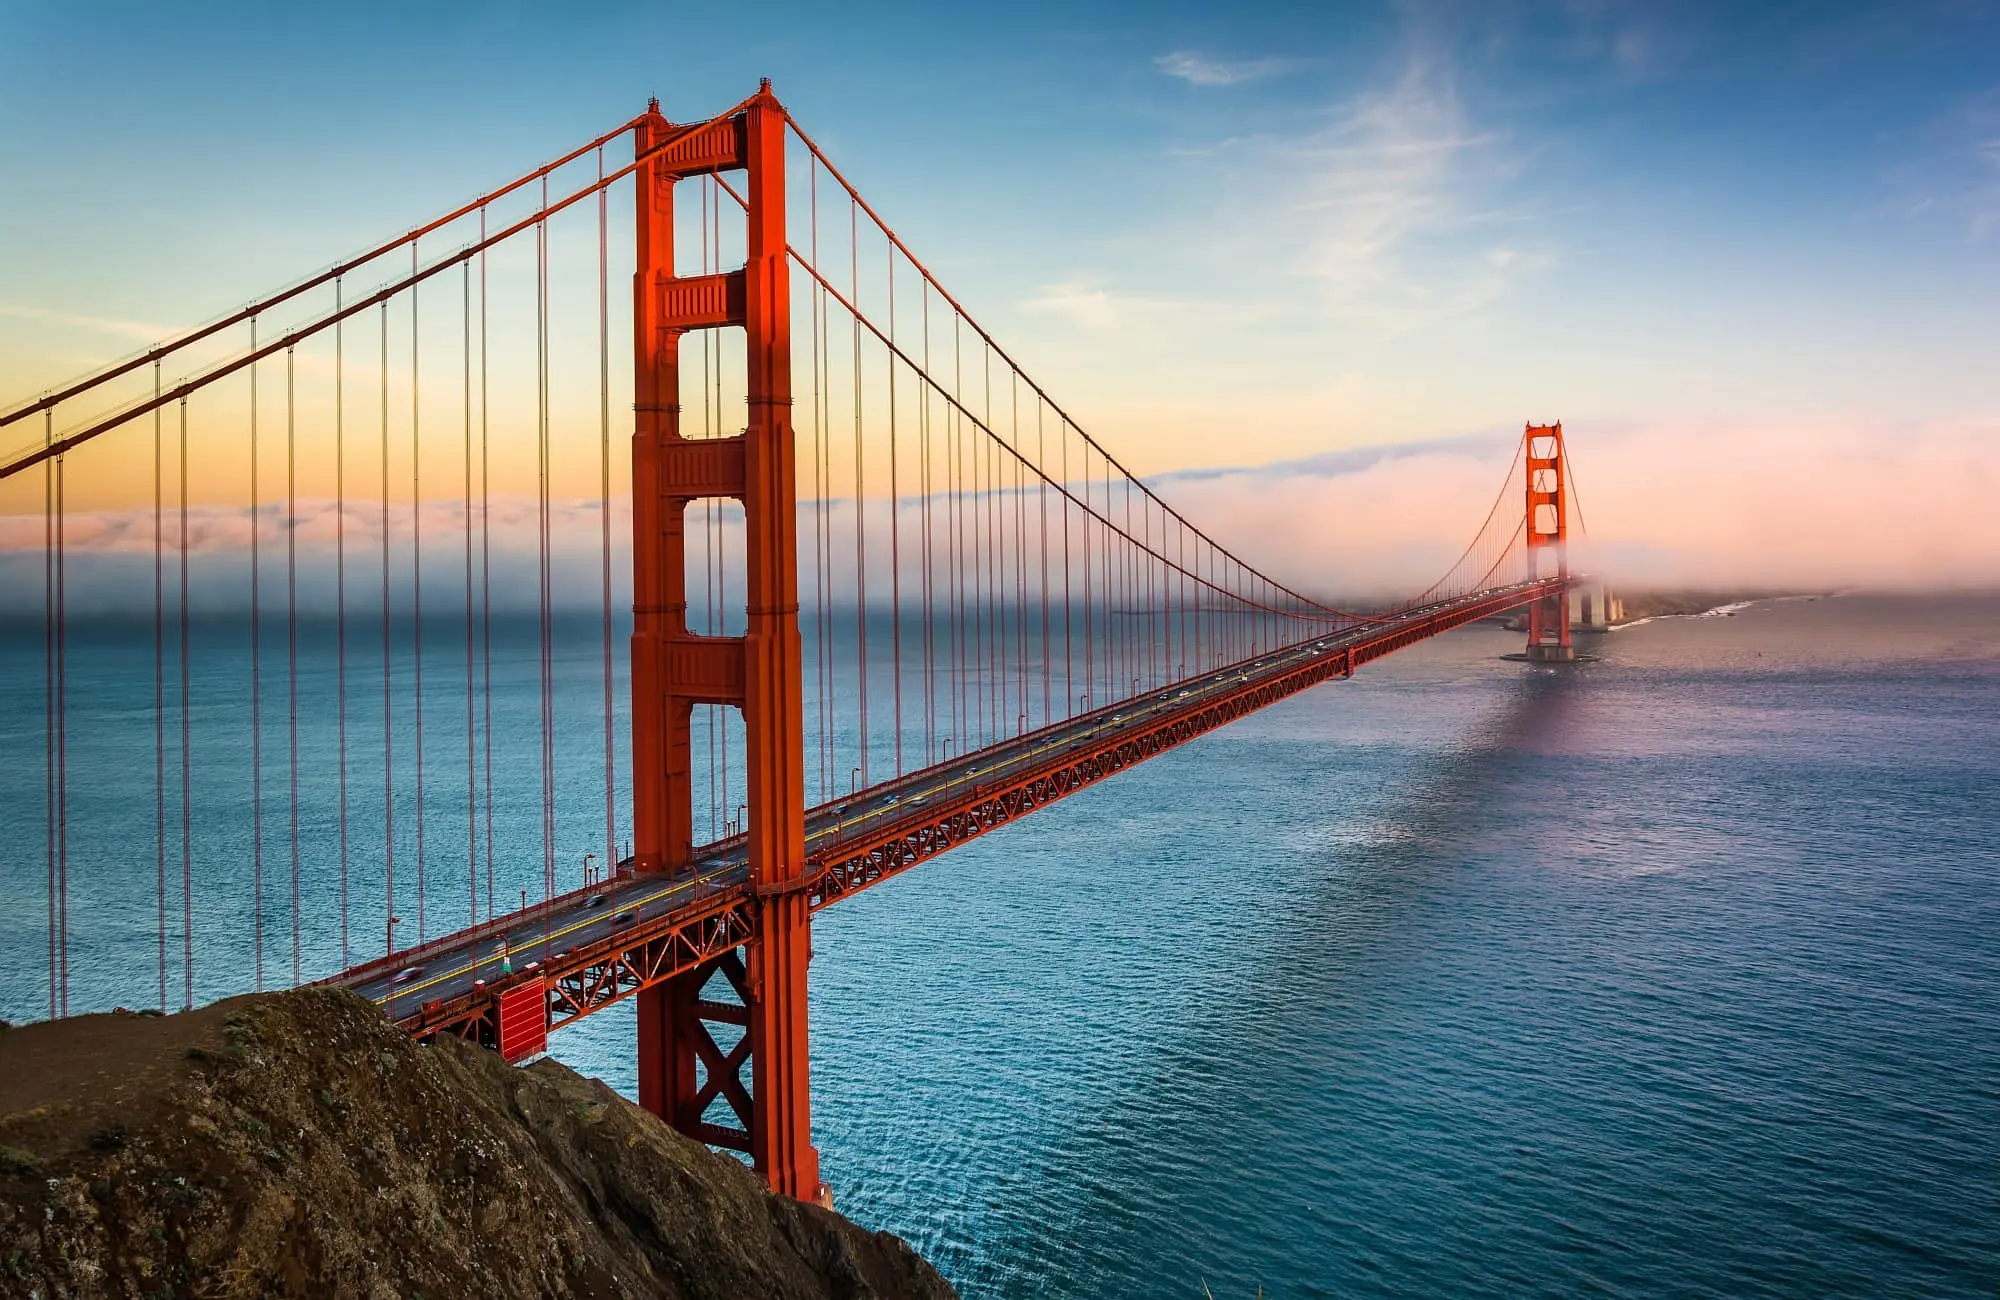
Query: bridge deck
pixel 599 945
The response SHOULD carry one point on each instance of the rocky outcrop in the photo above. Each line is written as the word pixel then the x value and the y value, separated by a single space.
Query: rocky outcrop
pixel 297 1144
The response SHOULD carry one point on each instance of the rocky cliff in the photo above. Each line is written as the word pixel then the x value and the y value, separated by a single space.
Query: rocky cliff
pixel 297 1144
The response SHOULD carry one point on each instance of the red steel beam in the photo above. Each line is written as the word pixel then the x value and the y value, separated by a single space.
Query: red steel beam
pixel 593 976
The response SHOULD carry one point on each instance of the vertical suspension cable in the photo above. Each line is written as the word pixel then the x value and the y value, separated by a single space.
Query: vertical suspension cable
pixel 341 609
pixel 388 715
pixel 49 685
pixel 1069 686
pixel 1003 595
pixel 1159 624
pixel 471 717
pixel 968 518
pixel 59 747
pixel 1003 671
pixel 860 488
pixel 62 736
pixel 1042 521
pixel 718 541
pixel 1181 539
pixel 292 637
pixel 996 490
pixel 1096 543
pixel 604 508
pixel 982 559
pixel 417 589
pixel 814 301
pixel 1020 560
pixel 833 759
pixel 544 540
pixel 955 541
pixel 822 630
pixel 485 579
pixel 1109 654
pixel 1166 580
pixel 1128 671
pixel 989 507
pixel 159 688
pixel 256 692
pixel 711 419
pixel 187 748
pixel 968 555
pixel 1089 591
pixel 1162 598
pixel 895 531
pixel 1013 597
pixel 925 486
pixel 340 597
pixel 1121 595
pixel 1148 571
pixel 977 687
pixel 710 534
pixel 1135 595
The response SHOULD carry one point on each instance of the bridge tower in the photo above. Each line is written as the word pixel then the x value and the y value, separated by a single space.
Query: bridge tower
pixel 1548 540
pixel 760 673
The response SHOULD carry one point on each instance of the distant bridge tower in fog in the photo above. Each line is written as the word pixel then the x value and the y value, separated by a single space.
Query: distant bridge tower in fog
pixel 1546 526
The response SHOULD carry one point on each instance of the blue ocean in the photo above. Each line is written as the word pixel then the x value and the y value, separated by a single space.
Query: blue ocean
pixel 1675 973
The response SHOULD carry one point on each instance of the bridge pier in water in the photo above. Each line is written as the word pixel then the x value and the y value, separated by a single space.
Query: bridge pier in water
pixel 760 672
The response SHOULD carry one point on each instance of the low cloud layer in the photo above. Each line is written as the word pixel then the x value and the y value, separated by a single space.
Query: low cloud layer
pixel 109 556
pixel 1800 505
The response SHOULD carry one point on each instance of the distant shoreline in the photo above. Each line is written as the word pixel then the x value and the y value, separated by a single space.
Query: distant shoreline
pixel 1644 607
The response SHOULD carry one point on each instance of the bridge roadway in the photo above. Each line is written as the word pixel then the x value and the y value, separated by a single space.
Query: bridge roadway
pixel 597 945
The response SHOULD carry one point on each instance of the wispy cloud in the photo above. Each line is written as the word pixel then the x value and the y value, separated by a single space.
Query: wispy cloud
pixel 1198 70
pixel 143 331
pixel 1091 306
pixel 1391 208
pixel 1397 204
pixel 1952 169
pixel 1637 41
pixel 1978 131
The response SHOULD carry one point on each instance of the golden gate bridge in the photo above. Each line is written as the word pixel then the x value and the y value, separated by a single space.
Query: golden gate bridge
pixel 886 595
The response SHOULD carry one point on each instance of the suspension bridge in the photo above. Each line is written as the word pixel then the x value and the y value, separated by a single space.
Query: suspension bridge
pixel 885 595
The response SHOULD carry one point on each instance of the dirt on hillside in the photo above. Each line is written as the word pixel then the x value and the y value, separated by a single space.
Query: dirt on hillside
pixel 297 1144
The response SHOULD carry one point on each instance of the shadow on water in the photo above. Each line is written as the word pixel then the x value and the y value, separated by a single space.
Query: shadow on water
pixel 1178 1171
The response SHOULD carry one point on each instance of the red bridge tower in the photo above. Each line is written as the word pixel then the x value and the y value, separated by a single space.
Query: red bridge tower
pixel 1548 540
pixel 760 673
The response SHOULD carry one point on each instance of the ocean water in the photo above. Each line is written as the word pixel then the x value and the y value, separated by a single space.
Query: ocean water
pixel 1675 974
pixel 1672 974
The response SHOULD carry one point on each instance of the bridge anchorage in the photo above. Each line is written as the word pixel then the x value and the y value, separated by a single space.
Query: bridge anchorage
pixel 886 596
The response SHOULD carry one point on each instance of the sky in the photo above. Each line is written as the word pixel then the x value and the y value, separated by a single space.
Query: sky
pixel 1749 254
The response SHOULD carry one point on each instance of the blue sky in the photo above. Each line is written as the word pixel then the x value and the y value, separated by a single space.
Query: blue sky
pixel 1223 235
